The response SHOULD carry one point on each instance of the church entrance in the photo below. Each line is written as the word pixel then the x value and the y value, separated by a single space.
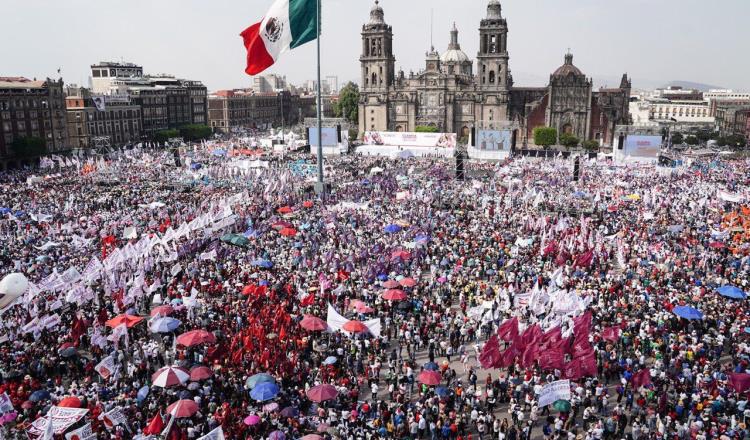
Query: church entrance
pixel 399 128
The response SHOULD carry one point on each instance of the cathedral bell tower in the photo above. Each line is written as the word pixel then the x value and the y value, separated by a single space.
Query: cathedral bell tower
pixel 492 63
pixel 378 71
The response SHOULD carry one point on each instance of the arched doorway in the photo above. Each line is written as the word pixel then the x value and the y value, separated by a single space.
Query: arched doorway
pixel 399 128
pixel 567 129
pixel 465 131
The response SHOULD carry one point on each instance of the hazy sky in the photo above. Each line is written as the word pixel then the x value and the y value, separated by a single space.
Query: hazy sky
pixel 655 41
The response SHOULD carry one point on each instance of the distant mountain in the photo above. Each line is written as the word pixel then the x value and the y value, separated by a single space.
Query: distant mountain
pixel 693 85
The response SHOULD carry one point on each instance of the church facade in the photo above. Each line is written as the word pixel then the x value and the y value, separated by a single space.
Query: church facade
pixel 451 96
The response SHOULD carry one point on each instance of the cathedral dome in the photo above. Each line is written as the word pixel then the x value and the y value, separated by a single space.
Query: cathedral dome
pixel 568 68
pixel 454 54
pixel 377 16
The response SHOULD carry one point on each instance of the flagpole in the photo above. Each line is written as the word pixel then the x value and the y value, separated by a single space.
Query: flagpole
pixel 319 187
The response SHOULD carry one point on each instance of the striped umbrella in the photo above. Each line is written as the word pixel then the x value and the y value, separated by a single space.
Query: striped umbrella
pixel 170 376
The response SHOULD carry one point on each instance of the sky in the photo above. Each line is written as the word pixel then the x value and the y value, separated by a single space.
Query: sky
pixel 654 41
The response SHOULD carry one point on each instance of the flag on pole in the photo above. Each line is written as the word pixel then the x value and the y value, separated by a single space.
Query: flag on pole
pixel 287 25
pixel 216 434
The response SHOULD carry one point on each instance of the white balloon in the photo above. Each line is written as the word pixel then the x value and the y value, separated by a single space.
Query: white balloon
pixel 11 287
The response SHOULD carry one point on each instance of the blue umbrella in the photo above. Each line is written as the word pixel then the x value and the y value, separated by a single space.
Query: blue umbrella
pixel 422 238
pixel 330 360
pixel 392 229
pixel 265 264
pixel 4 211
pixel 264 391
pixel 219 152
pixel 142 393
pixel 441 391
pixel 39 395
pixel 164 325
pixel 382 277
pixel 259 378
pixel 432 366
pixel 196 166
pixel 747 330
pixel 731 292
pixel 688 312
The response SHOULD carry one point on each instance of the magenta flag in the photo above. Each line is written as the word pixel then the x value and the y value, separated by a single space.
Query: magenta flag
pixel 552 359
pixel 490 353
pixel 739 381
pixel 611 333
pixel 508 330
pixel 641 378
pixel 582 325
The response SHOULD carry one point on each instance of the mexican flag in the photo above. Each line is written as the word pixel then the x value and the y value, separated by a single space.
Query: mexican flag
pixel 288 24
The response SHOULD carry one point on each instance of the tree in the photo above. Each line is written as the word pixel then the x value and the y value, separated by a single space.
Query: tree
pixel 165 135
pixel 195 132
pixel 29 147
pixel 545 136
pixel 591 145
pixel 692 140
pixel 721 141
pixel 347 106
pixel 569 140
pixel 677 138
pixel 736 141
pixel 425 129
pixel 704 135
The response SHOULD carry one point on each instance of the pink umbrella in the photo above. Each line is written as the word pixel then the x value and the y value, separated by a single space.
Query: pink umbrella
pixel 182 409
pixel 313 323
pixel 252 420
pixel 196 337
pixel 407 282
pixel 322 393
pixel 394 295
pixel 400 254
pixel 442 280
pixel 270 407
pixel 169 377
pixel 312 437
pixel 429 377
pixel 200 373
pixel 361 307
pixel 390 284
pixel 162 311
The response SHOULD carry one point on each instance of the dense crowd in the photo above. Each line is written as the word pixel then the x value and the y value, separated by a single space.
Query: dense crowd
pixel 401 304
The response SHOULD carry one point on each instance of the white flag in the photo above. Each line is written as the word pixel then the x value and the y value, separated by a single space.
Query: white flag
pixel 216 434
pixel 49 431
pixel 82 433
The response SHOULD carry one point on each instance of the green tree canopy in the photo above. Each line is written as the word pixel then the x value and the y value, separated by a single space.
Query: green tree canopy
pixel 692 140
pixel 425 129
pixel 165 135
pixel 347 106
pixel 29 147
pixel 545 136
pixel 195 132
pixel 569 140
pixel 591 145
pixel 677 138
pixel 736 141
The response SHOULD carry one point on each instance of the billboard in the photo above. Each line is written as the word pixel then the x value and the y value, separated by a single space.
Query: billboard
pixel 494 140
pixel 330 136
pixel 406 139
pixel 643 146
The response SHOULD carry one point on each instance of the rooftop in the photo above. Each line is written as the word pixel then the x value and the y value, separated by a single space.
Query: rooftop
pixel 19 82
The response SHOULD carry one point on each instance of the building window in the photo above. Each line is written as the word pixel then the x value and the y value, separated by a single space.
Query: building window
pixel 492 77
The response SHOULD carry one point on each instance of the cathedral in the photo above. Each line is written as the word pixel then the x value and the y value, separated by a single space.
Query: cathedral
pixel 454 98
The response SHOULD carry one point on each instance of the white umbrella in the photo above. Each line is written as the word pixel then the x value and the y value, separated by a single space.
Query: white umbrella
pixel 169 377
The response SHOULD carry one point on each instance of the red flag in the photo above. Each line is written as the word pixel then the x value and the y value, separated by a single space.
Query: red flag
pixel 572 370
pixel 155 426
pixel 585 259
pixel 308 300
pixel 490 353
pixel 588 365
pixel 551 337
pixel 582 347
pixel 582 324
pixel 551 359
pixel 531 335
pixel 530 355
pixel 509 355
pixel 611 333
pixel 643 377
pixel 508 330
pixel 342 275
pixel 739 381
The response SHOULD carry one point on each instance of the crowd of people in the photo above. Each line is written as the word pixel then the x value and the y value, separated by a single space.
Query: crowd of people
pixel 212 301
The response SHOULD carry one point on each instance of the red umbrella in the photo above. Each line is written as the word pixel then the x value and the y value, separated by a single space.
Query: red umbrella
pixel 400 254
pixel 288 232
pixel 200 373
pixel 321 393
pixel 361 307
pixel 716 245
pixel 70 402
pixel 162 311
pixel 355 326
pixel 429 377
pixel 313 323
pixel 285 210
pixel 182 409
pixel 196 337
pixel 128 320
pixel 307 204
pixel 394 295
pixel 250 288
pixel 391 284
pixel 170 377
pixel 66 345
pixel 281 224
pixel 407 282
